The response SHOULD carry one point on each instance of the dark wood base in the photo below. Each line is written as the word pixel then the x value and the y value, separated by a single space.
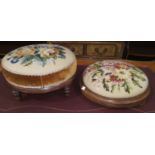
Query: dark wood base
pixel 19 92
pixel 21 95
pixel 115 103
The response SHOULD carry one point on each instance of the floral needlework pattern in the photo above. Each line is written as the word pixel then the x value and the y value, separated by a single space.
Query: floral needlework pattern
pixel 39 53
pixel 117 75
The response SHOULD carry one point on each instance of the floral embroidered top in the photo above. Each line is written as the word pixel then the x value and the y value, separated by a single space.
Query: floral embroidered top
pixel 38 59
pixel 115 79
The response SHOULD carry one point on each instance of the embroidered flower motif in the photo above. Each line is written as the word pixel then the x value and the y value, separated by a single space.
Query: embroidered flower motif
pixel 38 53
pixel 116 79
pixel 44 53
pixel 113 75
pixel 19 53
pixel 53 52
pixel 27 51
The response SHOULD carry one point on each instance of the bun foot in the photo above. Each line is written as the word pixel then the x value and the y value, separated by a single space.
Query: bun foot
pixel 18 95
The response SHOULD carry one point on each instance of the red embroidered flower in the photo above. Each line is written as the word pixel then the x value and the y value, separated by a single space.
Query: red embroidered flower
pixel 114 78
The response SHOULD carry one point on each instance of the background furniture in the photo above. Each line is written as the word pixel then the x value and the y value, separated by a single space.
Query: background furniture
pixel 132 50
pixel 82 49
pixel 95 49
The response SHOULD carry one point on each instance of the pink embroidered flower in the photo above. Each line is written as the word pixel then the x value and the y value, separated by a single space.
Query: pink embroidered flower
pixel 121 66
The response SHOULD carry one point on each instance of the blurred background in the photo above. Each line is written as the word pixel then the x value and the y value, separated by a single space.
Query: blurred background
pixel 131 50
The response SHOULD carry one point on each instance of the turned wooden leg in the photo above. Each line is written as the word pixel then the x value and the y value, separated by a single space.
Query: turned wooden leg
pixel 17 94
pixel 67 90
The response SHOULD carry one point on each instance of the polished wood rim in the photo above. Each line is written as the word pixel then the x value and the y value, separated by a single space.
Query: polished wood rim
pixel 115 102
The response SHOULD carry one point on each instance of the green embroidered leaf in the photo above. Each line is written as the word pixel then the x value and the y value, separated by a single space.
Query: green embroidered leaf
pixel 36 50
pixel 126 87
pixel 119 87
pixel 62 54
pixel 27 60
pixel 42 60
pixel 28 63
pixel 94 74
pixel 137 70
pixel 113 88
pixel 51 56
pixel 97 66
pixel 38 57
pixel 100 71
pixel 105 85
pixel 136 83
pixel 121 72
pixel 133 74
